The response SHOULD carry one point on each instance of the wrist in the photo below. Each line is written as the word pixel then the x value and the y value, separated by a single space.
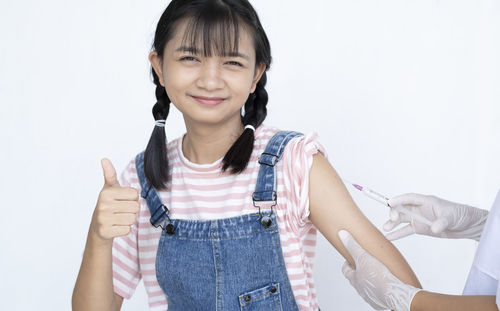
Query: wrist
pixel 96 241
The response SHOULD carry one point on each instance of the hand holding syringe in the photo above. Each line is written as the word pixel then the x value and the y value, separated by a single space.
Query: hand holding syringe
pixel 385 201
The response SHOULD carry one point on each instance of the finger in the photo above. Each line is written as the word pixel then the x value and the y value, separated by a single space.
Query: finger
pixel 394 215
pixel 125 194
pixel 109 172
pixel 390 225
pixel 400 233
pixel 439 225
pixel 408 198
pixel 347 271
pixel 354 249
pixel 124 219
pixel 119 230
pixel 125 207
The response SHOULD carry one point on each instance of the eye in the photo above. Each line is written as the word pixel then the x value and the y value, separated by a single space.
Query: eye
pixel 234 63
pixel 188 59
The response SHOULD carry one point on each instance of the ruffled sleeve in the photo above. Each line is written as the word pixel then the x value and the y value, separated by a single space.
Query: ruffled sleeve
pixel 297 161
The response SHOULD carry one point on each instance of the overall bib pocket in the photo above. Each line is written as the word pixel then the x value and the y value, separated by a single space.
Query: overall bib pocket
pixel 267 298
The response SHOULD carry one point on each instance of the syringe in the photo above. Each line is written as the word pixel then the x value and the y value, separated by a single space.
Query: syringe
pixel 384 200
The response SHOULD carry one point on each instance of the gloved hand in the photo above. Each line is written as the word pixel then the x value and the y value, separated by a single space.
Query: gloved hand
pixel 449 220
pixel 373 281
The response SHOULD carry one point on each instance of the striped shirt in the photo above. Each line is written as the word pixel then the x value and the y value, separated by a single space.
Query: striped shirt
pixel 203 192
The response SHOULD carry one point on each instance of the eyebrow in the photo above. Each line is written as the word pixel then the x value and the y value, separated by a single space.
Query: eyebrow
pixel 196 51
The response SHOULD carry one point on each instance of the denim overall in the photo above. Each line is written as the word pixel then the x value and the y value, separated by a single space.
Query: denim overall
pixel 224 264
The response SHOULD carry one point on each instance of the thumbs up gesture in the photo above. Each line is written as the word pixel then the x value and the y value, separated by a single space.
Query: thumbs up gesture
pixel 116 208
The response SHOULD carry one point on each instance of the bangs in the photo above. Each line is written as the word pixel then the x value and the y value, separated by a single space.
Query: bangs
pixel 212 31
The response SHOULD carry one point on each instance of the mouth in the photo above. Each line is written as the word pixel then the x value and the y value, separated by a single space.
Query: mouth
pixel 208 101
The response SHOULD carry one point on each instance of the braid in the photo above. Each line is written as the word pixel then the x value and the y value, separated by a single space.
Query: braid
pixel 155 156
pixel 255 113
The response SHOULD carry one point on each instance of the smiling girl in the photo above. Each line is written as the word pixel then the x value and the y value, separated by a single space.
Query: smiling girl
pixel 226 216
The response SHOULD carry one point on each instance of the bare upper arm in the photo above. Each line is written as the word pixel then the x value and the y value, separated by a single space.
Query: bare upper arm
pixel 119 301
pixel 332 209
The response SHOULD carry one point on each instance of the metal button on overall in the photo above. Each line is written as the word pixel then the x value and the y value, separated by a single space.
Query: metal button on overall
pixel 266 221
pixel 170 229
pixel 211 264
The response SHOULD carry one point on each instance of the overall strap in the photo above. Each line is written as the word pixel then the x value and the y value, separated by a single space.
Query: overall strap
pixel 265 188
pixel 157 209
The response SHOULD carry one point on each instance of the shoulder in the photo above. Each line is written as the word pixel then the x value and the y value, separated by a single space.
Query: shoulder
pixel 305 147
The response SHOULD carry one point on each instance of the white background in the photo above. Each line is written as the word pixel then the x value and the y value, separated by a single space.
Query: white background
pixel 405 96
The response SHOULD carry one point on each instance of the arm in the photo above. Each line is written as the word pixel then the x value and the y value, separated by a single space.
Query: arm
pixel 94 285
pixel 332 209
pixel 428 301
pixel 115 212
pixel 383 290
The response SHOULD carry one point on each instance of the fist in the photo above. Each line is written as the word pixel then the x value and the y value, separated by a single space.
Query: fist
pixel 116 208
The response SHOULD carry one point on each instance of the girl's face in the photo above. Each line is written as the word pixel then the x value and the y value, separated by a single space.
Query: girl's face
pixel 208 90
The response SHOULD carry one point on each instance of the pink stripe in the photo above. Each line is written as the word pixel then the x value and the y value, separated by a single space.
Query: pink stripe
pixel 149 272
pixel 211 187
pixel 130 270
pixel 302 297
pixel 131 285
pixel 148 248
pixel 198 199
pixel 310 254
pixel 122 251
pixel 148 260
pixel 148 236
pixel 297 264
pixel 309 242
pixel 290 241
pixel 121 292
pixel 156 294
pixel 129 242
pixel 299 276
pixel 299 287
pixel 295 252
pixel 296 232
pixel 159 303
pixel 151 283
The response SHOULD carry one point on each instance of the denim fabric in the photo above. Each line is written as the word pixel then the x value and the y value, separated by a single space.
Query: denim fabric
pixel 224 264
pixel 266 181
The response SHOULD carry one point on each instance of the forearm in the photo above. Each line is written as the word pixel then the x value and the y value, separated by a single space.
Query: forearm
pixel 429 301
pixel 94 285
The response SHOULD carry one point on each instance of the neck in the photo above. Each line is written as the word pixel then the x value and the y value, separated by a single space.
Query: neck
pixel 206 143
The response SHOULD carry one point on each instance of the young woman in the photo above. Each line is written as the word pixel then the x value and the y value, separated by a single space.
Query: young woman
pixel 224 217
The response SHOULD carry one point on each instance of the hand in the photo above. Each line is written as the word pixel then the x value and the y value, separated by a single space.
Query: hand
pixel 116 208
pixel 373 281
pixel 449 220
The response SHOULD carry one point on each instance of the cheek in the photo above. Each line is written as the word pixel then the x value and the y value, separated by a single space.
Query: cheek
pixel 242 82
pixel 175 80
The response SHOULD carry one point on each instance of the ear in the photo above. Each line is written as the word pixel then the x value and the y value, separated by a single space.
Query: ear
pixel 156 62
pixel 259 71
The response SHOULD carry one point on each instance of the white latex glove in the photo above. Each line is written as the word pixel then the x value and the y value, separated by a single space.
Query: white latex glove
pixel 449 220
pixel 373 281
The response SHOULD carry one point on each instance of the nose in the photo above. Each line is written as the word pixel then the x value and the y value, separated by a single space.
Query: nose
pixel 210 77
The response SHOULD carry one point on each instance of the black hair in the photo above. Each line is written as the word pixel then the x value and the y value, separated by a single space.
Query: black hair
pixel 214 23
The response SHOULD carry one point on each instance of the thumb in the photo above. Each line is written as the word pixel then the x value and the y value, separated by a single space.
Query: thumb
pixel 400 233
pixel 354 249
pixel 109 172
pixel 348 271
pixel 439 225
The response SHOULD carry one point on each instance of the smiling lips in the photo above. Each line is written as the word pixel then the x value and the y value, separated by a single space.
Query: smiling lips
pixel 209 101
